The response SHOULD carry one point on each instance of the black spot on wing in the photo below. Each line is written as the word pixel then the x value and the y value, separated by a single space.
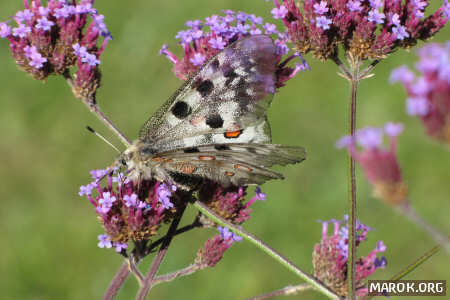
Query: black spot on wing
pixel 215 64
pixel 181 110
pixel 214 121
pixel 204 87
pixel 230 75
pixel 191 150
pixel 221 147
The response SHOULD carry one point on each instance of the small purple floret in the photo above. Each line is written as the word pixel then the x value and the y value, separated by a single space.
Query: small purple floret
pixel 164 194
pixel 354 5
pixel 259 194
pixel 400 32
pixel 21 31
pixel 44 24
pixel 104 241
pixel 323 22
pixel 5 30
pixel 227 234
pixel 376 16
pixel 417 106
pixel 369 137
pixel 321 8
pixel 393 129
pixel 279 13
pixel 198 59
pixel 217 43
pixel 91 59
pixel 106 202
pixel 130 200
pixel 24 16
pixel 120 246
pixel 402 74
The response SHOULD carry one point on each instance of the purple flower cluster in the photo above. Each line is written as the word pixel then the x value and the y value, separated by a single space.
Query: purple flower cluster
pixel 331 254
pixel 212 252
pixel 127 210
pixel 203 40
pixel 429 94
pixel 366 29
pixel 46 39
pixel 380 164
pixel 229 203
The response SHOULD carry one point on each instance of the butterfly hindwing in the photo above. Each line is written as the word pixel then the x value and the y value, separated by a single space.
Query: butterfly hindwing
pixel 224 102
pixel 230 164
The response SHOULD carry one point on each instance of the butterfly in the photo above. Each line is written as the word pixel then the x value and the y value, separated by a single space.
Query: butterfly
pixel 215 125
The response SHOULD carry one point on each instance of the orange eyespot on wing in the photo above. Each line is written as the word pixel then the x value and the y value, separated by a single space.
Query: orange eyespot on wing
pixel 238 166
pixel 187 169
pixel 157 159
pixel 233 134
pixel 206 157
pixel 229 174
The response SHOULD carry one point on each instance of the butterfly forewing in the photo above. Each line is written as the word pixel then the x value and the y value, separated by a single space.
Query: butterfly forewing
pixel 224 102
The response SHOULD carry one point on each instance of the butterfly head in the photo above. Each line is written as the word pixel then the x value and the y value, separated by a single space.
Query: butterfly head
pixel 134 160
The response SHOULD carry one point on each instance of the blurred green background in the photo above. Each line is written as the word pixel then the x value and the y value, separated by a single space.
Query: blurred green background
pixel 49 234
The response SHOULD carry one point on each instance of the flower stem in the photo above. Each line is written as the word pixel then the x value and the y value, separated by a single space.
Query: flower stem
pixel 95 109
pixel 441 239
pixel 266 248
pixel 149 278
pixel 117 282
pixel 354 65
pixel 174 275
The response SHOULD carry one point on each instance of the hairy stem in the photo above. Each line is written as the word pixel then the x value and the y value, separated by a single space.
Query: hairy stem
pixel 148 280
pixel 441 239
pixel 266 248
pixel 174 275
pixel 95 109
pixel 287 291
pixel 117 282
pixel 354 66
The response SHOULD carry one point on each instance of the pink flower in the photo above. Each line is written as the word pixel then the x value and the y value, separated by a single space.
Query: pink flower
pixel 379 163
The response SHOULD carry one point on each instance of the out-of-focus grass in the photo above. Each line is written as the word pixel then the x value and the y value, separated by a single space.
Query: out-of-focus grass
pixel 48 233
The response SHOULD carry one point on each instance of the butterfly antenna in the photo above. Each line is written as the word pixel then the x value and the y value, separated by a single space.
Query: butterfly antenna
pixel 102 138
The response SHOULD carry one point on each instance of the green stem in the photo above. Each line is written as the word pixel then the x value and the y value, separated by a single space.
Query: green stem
pixel 267 249
pixel 352 186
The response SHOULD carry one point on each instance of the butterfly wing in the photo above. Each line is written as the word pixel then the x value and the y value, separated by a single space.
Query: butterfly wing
pixel 224 102
pixel 229 164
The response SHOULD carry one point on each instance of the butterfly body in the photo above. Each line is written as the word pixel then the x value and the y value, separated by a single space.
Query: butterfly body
pixel 215 126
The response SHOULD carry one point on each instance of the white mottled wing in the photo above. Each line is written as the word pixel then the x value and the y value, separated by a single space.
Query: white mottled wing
pixel 224 102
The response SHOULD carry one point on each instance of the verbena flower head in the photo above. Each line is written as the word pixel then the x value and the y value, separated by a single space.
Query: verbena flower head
pixel 129 211
pixel 212 252
pixel 45 40
pixel 365 29
pixel 331 254
pixel 379 163
pixel 204 39
pixel 429 93
pixel 229 202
